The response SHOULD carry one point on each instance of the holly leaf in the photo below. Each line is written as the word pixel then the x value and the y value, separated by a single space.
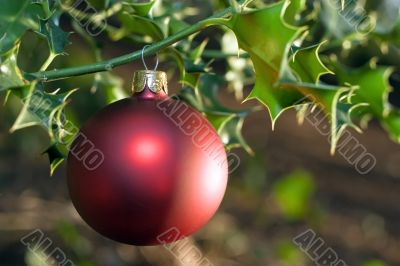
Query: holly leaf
pixel 39 107
pixel 227 122
pixel 230 131
pixel 240 6
pixel 141 8
pixel 293 11
pixel 56 157
pixel 209 88
pixel 337 108
pixel 194 66
pixel 373 90
pixel 307 64
pixel 303 71
pixel 176 25
pixel 190 63
pixel 110 85
pixel 137 26
pixel 374 87
pixel 10 74
pixel 264 35
pixel 56 37
pixel 195 54
pixel 16 17
pixel 281 84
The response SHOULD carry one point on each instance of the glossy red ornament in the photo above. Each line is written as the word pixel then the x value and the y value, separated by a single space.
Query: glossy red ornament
pixel 147 166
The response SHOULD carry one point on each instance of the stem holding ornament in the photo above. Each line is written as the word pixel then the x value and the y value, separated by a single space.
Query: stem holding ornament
pixel 107 65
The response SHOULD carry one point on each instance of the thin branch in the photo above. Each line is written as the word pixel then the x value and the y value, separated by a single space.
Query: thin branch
pixel 124 59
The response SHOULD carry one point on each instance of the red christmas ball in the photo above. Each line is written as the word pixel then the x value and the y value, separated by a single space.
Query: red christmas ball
pixel 147 165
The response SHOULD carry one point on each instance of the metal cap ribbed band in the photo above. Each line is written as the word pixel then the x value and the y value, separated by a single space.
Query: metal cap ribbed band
pixel 156 81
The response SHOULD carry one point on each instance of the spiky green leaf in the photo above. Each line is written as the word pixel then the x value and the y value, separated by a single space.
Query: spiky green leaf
pixel 16 17
pixel 56 37
pixel 140 8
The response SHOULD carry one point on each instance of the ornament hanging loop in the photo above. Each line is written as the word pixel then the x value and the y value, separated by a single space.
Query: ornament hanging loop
pixel 155 81
pixel 144 61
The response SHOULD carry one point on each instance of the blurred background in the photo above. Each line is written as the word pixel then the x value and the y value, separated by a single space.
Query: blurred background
pixel 290 185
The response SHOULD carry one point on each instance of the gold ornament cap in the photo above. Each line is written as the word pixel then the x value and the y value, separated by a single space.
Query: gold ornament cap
pixel 155 81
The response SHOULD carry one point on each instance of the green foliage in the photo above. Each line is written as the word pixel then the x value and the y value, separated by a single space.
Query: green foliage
pixel 10 74
pixel 267 45
pixel 16 17
pixel 373 88
pixel 291 254
pixel 40 108
pixel 307 65
pixel 374 263
pixel 228 123
pixel 293 11
pixel 293 194
pixel 133 24
pixel 142 9
pixel 56 157
pixel 320 53
pixel 56 37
